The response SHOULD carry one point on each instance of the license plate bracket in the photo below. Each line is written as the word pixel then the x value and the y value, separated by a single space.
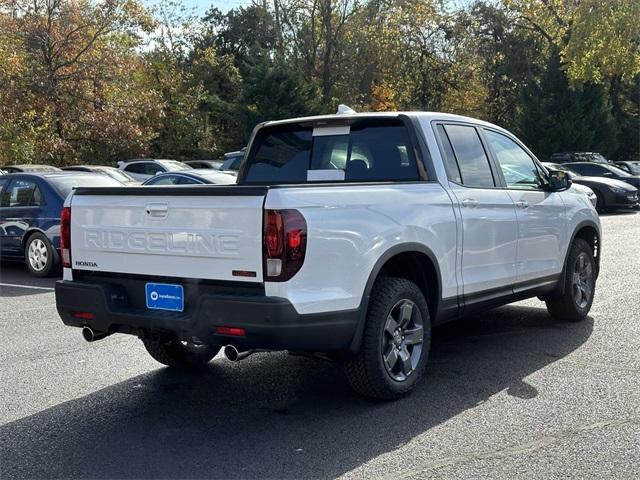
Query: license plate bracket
pixel 164 296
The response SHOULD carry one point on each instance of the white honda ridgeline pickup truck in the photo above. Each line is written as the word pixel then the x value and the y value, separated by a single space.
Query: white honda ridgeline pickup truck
pixel 348 236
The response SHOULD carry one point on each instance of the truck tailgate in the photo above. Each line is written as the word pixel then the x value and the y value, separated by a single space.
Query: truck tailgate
pixel 200 232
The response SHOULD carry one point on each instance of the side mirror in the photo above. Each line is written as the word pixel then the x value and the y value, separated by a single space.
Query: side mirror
pixel 558 181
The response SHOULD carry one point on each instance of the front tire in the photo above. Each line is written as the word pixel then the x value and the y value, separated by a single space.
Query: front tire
pixel 396 341
pixel 40 256
pixel 580 285
pixel 181 355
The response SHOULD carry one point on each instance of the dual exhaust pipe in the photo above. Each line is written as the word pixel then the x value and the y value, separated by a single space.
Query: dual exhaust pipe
pixel 230 352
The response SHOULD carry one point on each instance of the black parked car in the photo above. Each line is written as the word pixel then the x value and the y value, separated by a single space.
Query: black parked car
pixel 30 205
pixel 570 157
pixel 632 168
pixel 588 169
pixel 193 177
pixel 612 194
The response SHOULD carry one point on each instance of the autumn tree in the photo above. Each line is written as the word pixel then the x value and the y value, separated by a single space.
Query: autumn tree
pixel 74 78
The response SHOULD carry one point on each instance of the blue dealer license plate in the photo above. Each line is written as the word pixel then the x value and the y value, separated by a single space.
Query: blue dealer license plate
pixel 165 296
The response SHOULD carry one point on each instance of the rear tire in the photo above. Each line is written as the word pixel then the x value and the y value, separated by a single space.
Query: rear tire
pixel 580 285
pixel 176 354
pixel 40 256
pixel 395 343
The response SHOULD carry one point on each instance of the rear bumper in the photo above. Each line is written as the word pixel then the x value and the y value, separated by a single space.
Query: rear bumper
pixel 269 322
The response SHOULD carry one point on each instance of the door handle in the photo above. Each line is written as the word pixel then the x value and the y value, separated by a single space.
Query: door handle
pixel 157 210
pixel 522 204
pixel 470 202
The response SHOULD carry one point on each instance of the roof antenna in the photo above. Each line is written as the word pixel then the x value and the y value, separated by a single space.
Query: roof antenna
pixel 345 110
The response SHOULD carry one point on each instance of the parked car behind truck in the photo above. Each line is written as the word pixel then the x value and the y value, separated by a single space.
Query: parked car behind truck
pixel 143 169
pixel 30 206
pixel 30 168
pixel 611 194
pixel 193 177
pixel 115 173
pixel 351 235
pixel 604 171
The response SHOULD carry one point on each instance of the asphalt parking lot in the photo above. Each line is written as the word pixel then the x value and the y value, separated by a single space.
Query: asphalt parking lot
pixel 508 394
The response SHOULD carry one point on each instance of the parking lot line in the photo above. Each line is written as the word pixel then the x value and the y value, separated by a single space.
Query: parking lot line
pixel 25 286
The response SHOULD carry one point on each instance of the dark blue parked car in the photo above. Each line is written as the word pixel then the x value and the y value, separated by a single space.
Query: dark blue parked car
pixel 30 205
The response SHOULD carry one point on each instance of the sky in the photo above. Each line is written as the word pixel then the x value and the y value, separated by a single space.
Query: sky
pixel 201 6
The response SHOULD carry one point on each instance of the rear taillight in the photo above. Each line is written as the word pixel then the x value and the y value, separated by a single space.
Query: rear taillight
pixel 65 236
pixel 285 244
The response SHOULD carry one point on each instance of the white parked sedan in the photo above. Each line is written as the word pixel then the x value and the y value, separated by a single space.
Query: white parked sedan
pixel 143 169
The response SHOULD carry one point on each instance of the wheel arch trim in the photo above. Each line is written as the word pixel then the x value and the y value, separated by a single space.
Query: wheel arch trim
pixel 581 225
pixel 29 233
pixel 410 247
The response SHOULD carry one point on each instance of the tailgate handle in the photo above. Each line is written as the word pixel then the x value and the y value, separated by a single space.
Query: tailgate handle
pixel 157 210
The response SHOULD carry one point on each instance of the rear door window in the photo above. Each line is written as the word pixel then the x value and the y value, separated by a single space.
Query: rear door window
pixel 449 158
pixel 21 193
pixel 135 168
pixel 587 170
pixel 471 158
pixel 373 150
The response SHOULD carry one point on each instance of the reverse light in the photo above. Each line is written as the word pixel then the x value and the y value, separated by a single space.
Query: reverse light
pixel 285 244
pixel 65 236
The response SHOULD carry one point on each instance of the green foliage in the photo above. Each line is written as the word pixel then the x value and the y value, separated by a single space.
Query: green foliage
pixel 276 92
pixel 558 118
pixel 99 81
pixel 625 97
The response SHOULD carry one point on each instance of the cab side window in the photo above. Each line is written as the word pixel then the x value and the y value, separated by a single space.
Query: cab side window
pixel 518 168
pixel 473 168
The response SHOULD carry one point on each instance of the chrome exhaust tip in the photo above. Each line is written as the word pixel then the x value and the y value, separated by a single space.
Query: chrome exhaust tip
pixel 234 355
pixel 91 336
pixel 231 353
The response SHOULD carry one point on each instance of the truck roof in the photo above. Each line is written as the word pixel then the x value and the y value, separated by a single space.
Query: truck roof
pixel 428 116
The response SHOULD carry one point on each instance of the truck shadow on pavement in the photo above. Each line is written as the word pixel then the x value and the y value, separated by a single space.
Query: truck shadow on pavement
pixel 279 416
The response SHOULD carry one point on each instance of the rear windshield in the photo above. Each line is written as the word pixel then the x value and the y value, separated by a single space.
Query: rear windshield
pixel 115 173
pixel 375 150
pixel 64 185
